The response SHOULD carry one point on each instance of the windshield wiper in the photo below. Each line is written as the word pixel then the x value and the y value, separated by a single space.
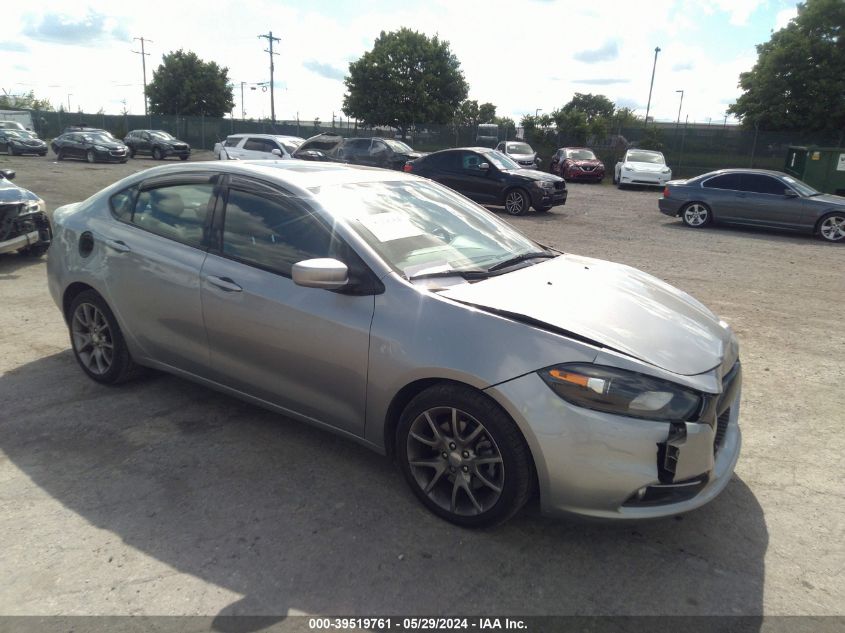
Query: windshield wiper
pixel 472 273
pixel 521 258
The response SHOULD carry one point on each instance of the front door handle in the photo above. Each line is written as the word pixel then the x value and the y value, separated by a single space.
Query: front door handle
pixel 118 245
pixel 224 283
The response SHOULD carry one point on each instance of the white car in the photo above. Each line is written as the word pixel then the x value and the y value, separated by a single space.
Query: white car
pixel 642 167
pixel 256 147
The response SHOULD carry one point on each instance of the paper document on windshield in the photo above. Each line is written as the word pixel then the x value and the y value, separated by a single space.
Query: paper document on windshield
pixel 390 226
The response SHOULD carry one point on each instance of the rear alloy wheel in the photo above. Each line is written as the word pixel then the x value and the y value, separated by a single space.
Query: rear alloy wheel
pixel 157 154
pixel 89 156
pixel 832 227
pixel 463 457
pixel 97 341
pixel 696 215
pixel 516 202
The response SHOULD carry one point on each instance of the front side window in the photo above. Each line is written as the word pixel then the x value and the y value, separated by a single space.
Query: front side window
pixel 272 232
pixel 758 183
pixel 177 212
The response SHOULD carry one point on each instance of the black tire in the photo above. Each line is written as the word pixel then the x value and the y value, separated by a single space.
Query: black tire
pixel 544 208
pixel 827 229
pixel 696 215
pixel 13 152
pixel 42 153
pixel 499 439
pixel 36 250
pixel 517 202
pixel 121 367
pixel 183 158
pixel 90 157
pixel 60 155
pixel 157 154
pixel 131 152
pixel 615 179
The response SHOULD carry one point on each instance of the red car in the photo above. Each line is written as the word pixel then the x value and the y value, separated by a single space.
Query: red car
pixel 577 163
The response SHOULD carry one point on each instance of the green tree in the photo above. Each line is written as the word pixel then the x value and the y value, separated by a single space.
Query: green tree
pixel 406 78
pixel 185 84
pixel 507 127
pixel 798 81
pixel 593 106
pixel 486 113
pixel 26 101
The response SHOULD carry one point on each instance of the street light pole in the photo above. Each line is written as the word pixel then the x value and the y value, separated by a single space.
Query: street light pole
pixel 651 87
pixel 537 111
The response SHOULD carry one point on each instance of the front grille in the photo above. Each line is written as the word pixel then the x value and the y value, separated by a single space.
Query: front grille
pixel 118 152
pixel 721 430
pixel 588 167
pixel 560 186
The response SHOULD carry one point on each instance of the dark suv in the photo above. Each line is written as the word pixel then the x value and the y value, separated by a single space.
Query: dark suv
pixel 490 177
pixel 387 153
pixel 157 143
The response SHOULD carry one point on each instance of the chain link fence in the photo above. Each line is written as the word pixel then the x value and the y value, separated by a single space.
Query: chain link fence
pixel 690 148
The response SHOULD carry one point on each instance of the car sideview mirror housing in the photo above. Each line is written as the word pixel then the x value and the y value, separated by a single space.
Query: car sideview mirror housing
pixel 276 152
pixel 326 273
pixel 789 193
pixel 484 166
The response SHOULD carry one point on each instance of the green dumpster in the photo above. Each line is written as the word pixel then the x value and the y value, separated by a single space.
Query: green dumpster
pixel 820 167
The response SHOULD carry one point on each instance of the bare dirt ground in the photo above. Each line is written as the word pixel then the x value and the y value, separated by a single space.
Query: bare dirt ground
pixel 161 497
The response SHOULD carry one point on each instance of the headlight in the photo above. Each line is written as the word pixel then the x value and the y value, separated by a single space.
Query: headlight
pixel 545 184
pixel 100 148
pixel 667 171
pixel 621 392
pixel 33 206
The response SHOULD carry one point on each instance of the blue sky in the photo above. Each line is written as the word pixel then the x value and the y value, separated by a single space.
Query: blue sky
pixel 521 56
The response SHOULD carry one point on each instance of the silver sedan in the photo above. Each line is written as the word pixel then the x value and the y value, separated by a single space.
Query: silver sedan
pixel 389 309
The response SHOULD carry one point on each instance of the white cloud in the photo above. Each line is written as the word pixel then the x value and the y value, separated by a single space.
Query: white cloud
pixel 783 17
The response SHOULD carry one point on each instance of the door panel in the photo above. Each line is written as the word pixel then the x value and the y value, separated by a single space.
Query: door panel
pixel 761 201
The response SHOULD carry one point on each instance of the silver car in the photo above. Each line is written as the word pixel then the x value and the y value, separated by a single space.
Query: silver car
pixel 520 152
pixel 755 197
pixel 394 311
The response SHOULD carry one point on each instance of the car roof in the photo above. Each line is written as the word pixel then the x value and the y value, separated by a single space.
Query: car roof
pixel 261 135
pixel 742 170
pixel 298 173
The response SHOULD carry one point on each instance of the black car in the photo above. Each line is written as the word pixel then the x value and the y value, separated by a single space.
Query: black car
pixel 90 146
pixel 490 177
pixel 17 142
pixel 157 143
pixel 24 226
pixel 387 153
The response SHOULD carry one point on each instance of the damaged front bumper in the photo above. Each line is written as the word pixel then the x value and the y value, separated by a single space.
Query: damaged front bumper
pixel 609 466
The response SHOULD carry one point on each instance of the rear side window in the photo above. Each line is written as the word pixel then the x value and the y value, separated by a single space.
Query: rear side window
pixel 446 161
pixel 271 232
pixel 758 183
pixel 177 212
pixel 730 182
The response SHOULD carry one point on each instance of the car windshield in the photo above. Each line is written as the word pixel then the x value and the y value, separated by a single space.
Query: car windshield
pixel 420 228
pixel 581 154
pixel 645 157
pixel 101 137
pixel 519 148
pixel 398 146
pixel 801 187
pixel 163 135
pixel 500 160
pixel 15 133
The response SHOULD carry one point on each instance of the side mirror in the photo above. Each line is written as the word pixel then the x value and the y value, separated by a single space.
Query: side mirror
pixel 276 152
pixel 8 174
pixel 484 166
pixel 329 274
pixel 790 193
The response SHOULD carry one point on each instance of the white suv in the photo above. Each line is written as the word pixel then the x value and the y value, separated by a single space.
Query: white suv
pixel 256 146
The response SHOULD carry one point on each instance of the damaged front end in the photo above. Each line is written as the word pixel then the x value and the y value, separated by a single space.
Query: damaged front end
pixel 24 225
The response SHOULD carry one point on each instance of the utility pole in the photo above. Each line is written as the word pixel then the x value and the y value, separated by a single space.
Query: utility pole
pixel 243 112
pixel 144 56
pixel 651 87
pixel 269 37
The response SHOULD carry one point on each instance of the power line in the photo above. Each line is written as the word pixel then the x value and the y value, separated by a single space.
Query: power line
pixel 143 55
pixel 269 37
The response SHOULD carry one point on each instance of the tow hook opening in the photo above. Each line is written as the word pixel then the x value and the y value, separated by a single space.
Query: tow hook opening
pixel 669 451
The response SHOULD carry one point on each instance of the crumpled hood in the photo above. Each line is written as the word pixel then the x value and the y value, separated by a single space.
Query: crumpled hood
pixel 10 193
pixel 616 306
pixel 647 167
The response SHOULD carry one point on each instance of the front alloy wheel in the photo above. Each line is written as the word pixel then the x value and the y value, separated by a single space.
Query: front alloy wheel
pixel 90 156
pixel 157 154
pixel 832 227
pixel 696 215
pixel 463 456
pixel 516 202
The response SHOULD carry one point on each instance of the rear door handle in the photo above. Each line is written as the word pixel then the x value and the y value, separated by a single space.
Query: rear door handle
pixel 224 283
pixel 118 245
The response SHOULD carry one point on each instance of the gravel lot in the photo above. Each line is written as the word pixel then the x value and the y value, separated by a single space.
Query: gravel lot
pixel 161 497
